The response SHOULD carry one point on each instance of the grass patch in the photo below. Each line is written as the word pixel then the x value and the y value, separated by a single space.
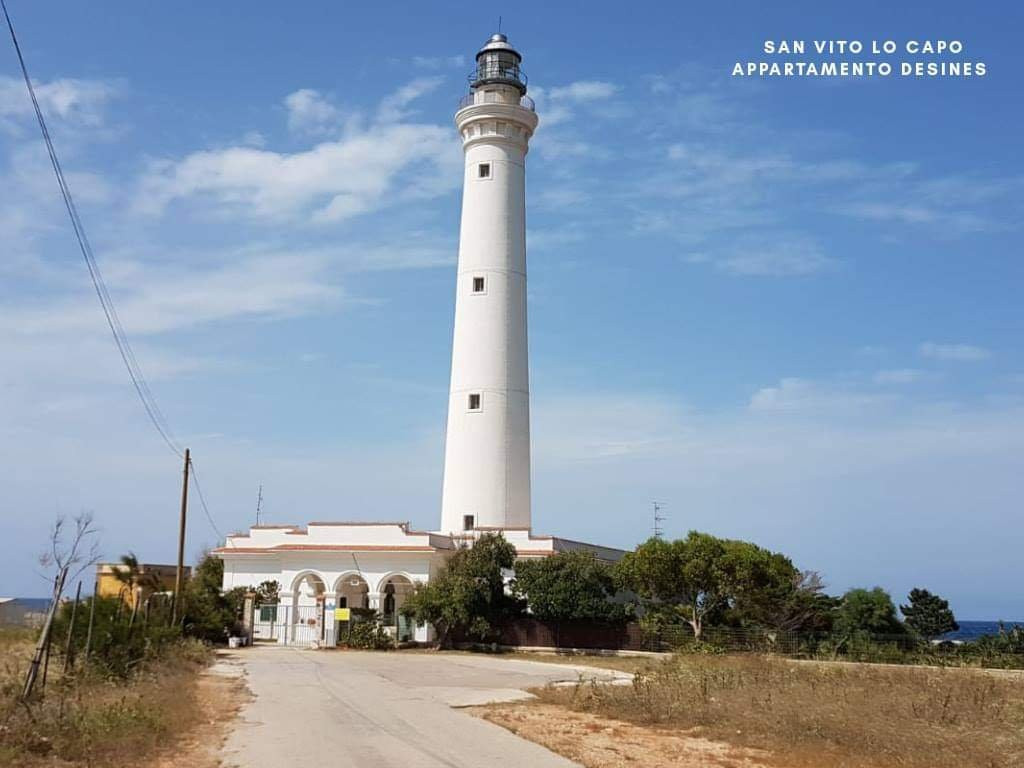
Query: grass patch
pixel 93 719
pixel 847 716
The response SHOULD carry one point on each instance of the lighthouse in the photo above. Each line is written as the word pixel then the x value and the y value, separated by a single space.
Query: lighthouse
pixel 487 443
pixel 487 447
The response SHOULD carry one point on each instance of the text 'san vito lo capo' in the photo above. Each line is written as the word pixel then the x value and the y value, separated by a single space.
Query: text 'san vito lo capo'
pixel 855 66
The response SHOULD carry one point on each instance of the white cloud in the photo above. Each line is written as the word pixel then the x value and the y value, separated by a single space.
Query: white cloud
pixel 802 396
pixel 777 255
pixel 68 99
pixel 332 181
pixel 958 352
pixel 310 112
pixel 438 62
pixel 583 91
pixel 558 104
pixel 392 108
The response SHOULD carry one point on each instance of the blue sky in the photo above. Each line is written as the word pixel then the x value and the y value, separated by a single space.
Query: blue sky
pixel 788 308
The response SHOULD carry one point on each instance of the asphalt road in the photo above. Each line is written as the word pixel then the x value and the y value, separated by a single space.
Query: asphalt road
pixel 377 710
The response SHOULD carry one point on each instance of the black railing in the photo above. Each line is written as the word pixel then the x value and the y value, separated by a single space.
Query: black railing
pixel 494 98
pixel 498 72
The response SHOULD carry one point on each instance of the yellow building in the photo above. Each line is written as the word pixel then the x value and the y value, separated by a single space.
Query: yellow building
pixel 135 584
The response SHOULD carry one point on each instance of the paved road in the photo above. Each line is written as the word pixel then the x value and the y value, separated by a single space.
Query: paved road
pixel 349 709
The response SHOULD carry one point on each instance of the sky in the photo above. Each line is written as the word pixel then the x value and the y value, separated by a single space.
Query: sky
pixel 789 309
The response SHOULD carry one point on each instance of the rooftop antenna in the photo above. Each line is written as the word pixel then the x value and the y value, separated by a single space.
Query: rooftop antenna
pixel 658 518
pixel 259 504
pixel 499 25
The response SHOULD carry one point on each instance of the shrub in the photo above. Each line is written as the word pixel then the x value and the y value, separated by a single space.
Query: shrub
pixel 368 634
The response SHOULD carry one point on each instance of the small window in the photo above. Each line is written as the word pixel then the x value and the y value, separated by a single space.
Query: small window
pixel 484 171
pixel 467 522
pixel 268 613
pixel 474 401
pixel 478 285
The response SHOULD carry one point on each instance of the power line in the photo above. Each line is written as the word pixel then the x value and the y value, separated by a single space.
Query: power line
pixel 120 338
pixel 194 477
pixel 124 348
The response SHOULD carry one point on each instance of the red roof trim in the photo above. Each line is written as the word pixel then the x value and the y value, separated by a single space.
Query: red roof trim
pixel 324 548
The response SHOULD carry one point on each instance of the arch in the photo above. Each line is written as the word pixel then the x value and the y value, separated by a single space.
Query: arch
pixel 344 579
pixel 352 590
pixel 316 580
pixel 383 581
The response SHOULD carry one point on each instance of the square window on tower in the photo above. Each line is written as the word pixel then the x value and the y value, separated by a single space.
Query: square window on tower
pixel 467 522
pixel 474 401
pixel 484 171
pixel 478 285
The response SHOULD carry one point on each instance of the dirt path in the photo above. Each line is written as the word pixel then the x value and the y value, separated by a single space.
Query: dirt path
pixel 598 742
pixel 221 693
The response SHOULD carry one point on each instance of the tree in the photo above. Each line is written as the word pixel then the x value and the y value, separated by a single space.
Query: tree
pixel 695 576
pixel 210 614
pixel 928 615
pixel 806 608
pixel 468 593
pixel 761 584
pixel 136 580
pixel 568 585
pixel 268 592
pixel 868 611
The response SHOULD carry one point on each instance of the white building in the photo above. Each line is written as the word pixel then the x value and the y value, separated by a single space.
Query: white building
pixel 330 565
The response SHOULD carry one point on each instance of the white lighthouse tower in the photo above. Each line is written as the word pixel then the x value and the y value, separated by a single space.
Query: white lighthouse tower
pixel 487 447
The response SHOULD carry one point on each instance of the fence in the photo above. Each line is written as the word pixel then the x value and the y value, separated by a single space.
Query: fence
pixel 527 631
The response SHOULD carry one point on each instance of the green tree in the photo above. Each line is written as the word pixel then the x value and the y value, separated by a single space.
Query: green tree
pixel 928 615
pixel 761 585
pixel 568 585
pixel 210 613
pixel 806 608
pixel 268 592
pixel 868 611
pixel 695 576
pixel 468 593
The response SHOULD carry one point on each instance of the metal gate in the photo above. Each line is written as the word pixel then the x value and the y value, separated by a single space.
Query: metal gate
pixel 288 625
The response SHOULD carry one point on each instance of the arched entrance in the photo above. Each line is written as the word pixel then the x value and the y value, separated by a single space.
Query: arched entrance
pixel 307 612
pixel 352 591
pixel 393 591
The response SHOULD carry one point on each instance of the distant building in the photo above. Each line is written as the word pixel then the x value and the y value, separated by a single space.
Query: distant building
pixel 112 580
pixel 23 611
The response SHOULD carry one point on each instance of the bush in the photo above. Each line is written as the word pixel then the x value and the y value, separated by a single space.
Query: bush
pixel 368 634
pixel 119 642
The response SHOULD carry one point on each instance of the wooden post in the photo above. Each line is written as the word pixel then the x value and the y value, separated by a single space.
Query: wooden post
pixel 44 637
pixel 71 632
pixel 179 574
pixel 92 619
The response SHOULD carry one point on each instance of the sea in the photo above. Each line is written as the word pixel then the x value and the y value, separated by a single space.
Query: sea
pixel 972 630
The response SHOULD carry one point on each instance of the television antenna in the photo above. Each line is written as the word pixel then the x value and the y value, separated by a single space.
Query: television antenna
pixel 659 506
pixel 259 504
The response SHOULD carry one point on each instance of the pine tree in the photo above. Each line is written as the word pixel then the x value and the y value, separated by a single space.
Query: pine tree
pixel 928 615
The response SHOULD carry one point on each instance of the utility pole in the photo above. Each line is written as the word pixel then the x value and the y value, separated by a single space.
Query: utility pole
pixel 658 518
pixel 179 574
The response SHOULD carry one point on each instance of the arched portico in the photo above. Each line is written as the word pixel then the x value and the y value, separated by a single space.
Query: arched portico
pixel 352 591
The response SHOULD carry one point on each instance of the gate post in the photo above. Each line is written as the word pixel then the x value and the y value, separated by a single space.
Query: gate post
pixel 248 611
pixel 330 625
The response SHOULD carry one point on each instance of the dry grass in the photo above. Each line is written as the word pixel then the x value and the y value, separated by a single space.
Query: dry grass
pixel 97 722
pixel 846 716
pixel 631 664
